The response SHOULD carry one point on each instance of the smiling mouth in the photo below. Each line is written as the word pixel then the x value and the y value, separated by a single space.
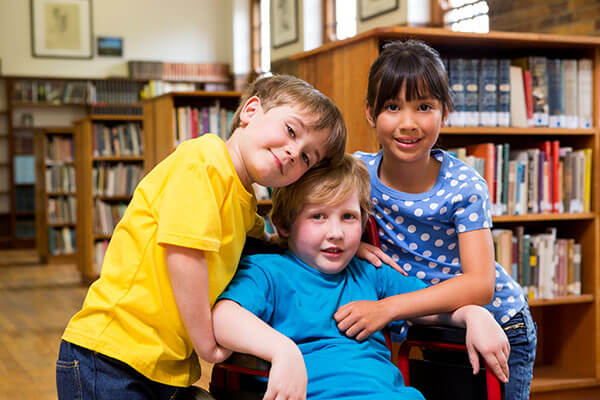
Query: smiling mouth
pixel 407 140
pixel 332 251
pixel 278 162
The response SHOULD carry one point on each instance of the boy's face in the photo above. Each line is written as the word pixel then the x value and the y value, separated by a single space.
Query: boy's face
pixel 278 146
pixel 326 237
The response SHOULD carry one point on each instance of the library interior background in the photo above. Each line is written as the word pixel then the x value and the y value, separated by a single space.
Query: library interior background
pixel 94 94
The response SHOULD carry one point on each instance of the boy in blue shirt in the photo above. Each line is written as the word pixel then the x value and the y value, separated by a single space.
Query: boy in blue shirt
pixel 281 307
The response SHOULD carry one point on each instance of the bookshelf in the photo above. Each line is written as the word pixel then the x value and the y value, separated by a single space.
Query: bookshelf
pixel 568 354
pixel 55 190
pixel 5 172
pixel 108 166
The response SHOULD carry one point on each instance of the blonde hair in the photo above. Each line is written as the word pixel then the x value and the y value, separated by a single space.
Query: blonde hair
pixel 278 90
pixel 323 185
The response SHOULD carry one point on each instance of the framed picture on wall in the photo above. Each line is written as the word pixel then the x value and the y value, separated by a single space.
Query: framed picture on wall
pixel 61 28
pixel 373 8
pixel 284 22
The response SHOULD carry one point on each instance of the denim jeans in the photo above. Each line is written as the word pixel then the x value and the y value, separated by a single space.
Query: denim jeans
pixel 522 335
pixel 83 374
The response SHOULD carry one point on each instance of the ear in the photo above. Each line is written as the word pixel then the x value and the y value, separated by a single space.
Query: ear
pixel 369 114
pixel 284 233
pixel 445 118
pixel 251 108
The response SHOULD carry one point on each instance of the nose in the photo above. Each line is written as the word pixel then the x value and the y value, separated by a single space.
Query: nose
pixel 407 121
pixel 335 231
pixel 292 153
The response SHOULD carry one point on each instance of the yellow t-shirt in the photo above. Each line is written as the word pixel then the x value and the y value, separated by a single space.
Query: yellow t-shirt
pixel 193 198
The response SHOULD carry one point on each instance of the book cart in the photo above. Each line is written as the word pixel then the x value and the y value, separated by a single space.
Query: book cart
pixel 568 353
pixel 101 198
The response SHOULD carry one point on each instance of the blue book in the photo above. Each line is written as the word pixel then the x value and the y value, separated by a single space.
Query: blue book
pixel 456 68
pixel 556 104
pixel 471 83
pixel 503 102
pixel 488 81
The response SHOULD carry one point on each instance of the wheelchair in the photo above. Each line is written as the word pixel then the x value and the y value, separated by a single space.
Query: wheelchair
pixel 432 359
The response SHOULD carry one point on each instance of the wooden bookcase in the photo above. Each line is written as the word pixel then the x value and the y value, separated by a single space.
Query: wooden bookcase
pixel 568 354
pixel 5 171
pixel 85 160
pixel 63 162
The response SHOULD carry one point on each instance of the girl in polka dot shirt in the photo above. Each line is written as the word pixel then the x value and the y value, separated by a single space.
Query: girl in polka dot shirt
pixel 433 210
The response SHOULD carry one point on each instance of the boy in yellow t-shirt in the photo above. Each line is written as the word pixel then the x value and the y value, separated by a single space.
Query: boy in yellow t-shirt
pixel 147 318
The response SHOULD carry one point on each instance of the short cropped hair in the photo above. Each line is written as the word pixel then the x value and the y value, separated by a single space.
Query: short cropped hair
pixel 278 90
pixel 323 185
pixel 414 64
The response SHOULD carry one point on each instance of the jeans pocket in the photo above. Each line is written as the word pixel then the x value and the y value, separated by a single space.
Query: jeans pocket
pixel 68 382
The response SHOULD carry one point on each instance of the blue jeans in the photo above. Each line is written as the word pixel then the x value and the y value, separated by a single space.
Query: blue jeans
pixel 522 335
pixel 86 374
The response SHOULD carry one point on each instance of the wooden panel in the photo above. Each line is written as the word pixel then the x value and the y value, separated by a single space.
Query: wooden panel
pixel 164 122
pixel 85 202
pixel 41 229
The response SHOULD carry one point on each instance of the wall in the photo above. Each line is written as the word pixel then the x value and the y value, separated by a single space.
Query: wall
pixel 409 12
pixel 573 17
pixel 177 30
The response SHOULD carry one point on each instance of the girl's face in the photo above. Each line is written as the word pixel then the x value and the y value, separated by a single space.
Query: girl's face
pixel 407 130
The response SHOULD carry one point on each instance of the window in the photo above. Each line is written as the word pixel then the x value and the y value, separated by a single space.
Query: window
pixel 345 16
pixel 468 16
pixel 260 42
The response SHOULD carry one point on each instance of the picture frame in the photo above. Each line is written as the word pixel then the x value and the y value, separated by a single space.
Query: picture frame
pixel 61 29
pixel 284 23
pixel 368 9
pixel 109 46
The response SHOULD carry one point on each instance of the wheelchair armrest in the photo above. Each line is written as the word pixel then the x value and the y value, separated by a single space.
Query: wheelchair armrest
pixel 436 333
pixel 246 364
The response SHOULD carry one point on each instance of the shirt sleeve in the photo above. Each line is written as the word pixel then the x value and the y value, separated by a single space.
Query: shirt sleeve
pixel 471 207
pixel 251 288
pixel 259 227
pixel 392 282
pixel 189 214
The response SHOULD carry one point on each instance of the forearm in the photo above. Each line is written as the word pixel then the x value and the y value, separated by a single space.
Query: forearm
pixel 239 330
pixel 459 318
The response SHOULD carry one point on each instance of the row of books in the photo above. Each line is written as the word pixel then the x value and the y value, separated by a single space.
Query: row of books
pixel 51 91
pixel 23 142
pixel 60 179
pixel 62 210
pixel 115 92
pixel 99 251
pixel 118 109
pixel 25 228
pixel 545 266
pixel 59 148
pixel 157 87
pixel 545 179
pixel 117 140
pixel 107 216
pixel 116 180
pixel 171 71
pixel 191 122
pixel 25 198
pixel 24 169
pixel 61 240
pixel 527 91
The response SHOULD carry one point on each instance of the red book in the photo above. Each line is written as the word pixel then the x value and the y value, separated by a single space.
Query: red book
pixel 555 170
pixel 528 96
pixel 487 151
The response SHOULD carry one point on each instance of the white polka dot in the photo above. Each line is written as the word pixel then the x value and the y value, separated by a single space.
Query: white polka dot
pixel 441 258
pixel 395 207
pixel 387 211
pixel 450 231
pixel 417 258
pixel 475 178
pixel 378 215
pixel 435 280
pixel 402 329
pixel 384 247
pixel 498 276
pixel 456 198
pixel 409 203
pixel 451 164
pixel 508 284
pixel 427 253
pixel 453 182
pixel 446 270
pixel 452 246
pixel 512 312
pixel 437 227
pixel 440 192
pixel 426 200
pixel 418 212
pixel 473 199
pixel 473 217
pixel 511 299
pixel 497 302
pixel 448 195
pixel 375 201
pixel 439 243
pixel 443 210
pixel 385 197
pixel 462 177
pixel 425 237
pixel 478 186
pixel 463 185
pixel 390 241
pixel 486 224
pixel 504 319
pixel 433 206
pixel 381 233
pixel 464 168
pixel 455 260
pixel 399 219
pixel 395 257
pixel 372 162
pixel 413 246
pixel 499 287
pixel 448 175
pixel 420 274
pixel 407 266
pixel 358 155
pixel 461 228
pixel 400 236
pixel 411 228
pixel 460 211
pixel 389 225
pixel 522 298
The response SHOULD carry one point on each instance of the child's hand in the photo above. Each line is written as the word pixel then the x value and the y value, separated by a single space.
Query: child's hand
pixel 287 378
pixel 272 238
pixel 375 256
pixel 360 319
pixel 486 337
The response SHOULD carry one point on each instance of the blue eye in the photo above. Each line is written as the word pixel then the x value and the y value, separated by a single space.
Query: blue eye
pixel 349 216
pixel 291 131
pixel 318 216
pixel 306 159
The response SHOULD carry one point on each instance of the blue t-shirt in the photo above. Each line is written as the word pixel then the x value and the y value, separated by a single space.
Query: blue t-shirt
pixel 299 301
pixel 420 230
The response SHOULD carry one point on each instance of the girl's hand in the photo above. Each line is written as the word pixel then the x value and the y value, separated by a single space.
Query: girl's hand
pixel 375 256
pixel 272 238
pixel 486 337
pixel 360 319
pixel 287 377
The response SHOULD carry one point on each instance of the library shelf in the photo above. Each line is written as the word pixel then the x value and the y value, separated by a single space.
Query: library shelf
pixel 61 224
pixel 98 236
pixel 568 356
pixel 60 194
pixel 100 117
pixel 46 105
pixel 118 158
pixel 113 198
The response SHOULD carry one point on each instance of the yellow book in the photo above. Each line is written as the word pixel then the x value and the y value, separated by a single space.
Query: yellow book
pixel 587 188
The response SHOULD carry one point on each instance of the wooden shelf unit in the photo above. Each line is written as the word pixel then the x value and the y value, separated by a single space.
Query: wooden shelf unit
pixel 85 160
pixel 568 355
pixel 43 195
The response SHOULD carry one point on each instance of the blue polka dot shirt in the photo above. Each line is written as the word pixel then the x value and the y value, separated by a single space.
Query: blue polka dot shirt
pixel 420 230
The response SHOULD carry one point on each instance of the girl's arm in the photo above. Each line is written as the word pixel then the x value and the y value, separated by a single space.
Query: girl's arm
pixel 189 279
pixel 475 285
pixel 238 329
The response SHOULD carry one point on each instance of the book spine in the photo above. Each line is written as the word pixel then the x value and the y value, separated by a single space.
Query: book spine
pixel 504 89
pixel 488 81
